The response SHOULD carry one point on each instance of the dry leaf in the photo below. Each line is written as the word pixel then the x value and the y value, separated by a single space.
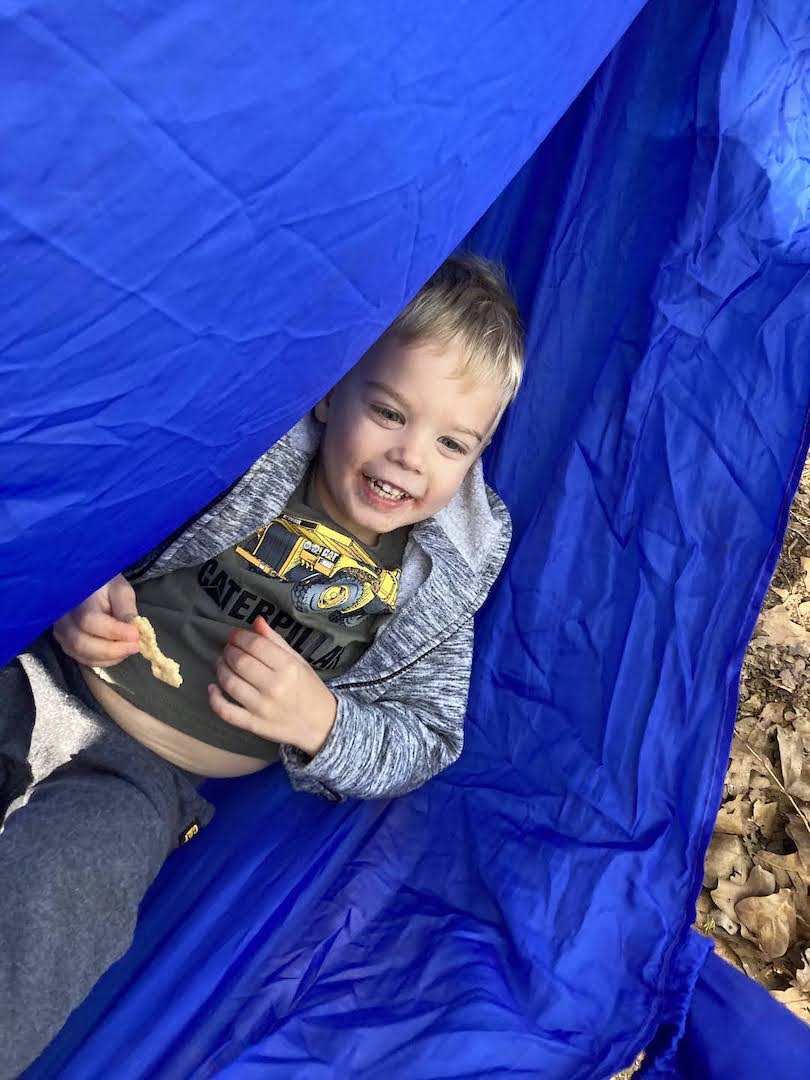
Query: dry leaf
pixel 772 921
pixel 797 831
pixel 806 574
pixel 754 701
pixel 745 956
pixel 803 973
pixel 625 1074
pixel 767 977
pixel 754 729
pixel 733 816
pixel 795 774
pixel 777 628
pixel 760 782
pixel 726 856
pixel 772 861
pixel 722 946
pixel 787 680
pixel 796 1001
pixel 803 914
pixel 738 777
pixel 728 893
pixel 703 905
pixel 781 866
pixel 718 917
pixel 772 713
pixel 783 879
pixel 764 815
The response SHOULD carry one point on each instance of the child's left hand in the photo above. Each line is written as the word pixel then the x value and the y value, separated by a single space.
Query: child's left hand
pixel 279 696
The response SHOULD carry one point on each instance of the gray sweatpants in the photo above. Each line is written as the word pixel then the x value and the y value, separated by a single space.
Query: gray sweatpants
pixel 87 819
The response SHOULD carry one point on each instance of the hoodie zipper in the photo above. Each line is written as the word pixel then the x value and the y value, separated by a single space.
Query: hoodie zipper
pixel 399 671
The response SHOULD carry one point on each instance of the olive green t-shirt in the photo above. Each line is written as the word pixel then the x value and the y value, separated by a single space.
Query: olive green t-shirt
pixel 324 592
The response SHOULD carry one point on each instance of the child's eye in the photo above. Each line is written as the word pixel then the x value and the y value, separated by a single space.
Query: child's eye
pixel 388 414
pixel 393 416
pixel 456 447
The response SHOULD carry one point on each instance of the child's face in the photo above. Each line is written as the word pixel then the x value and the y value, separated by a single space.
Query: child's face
pixel 400 417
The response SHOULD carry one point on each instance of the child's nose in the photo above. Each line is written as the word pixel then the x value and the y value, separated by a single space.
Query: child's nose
pixel 409 454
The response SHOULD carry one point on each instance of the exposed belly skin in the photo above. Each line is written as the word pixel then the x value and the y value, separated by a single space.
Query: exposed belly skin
pixel 175 746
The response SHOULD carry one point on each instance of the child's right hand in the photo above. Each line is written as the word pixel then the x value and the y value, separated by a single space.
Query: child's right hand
pixel 97 633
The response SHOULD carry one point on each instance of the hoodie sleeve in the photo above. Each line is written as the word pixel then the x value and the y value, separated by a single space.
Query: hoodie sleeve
pixel 380 749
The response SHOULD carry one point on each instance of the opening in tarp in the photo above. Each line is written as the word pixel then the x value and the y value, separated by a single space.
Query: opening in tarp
pixel 527 913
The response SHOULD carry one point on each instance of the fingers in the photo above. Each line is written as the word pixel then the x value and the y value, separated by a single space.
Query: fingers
pixel 243 678
pixel 122 600
pixel 106 613
pixel 265 644
pixel 247 665
pixel 261 627
pixel 263 630
pixel 250 644
pixel 93 638
pixel 229 711
pixel 96 624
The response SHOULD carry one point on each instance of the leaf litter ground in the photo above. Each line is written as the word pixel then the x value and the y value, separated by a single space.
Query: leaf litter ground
pixel 755 900
pixel 754 903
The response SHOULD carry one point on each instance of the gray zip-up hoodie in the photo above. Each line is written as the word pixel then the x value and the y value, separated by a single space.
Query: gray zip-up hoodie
pixel 401 707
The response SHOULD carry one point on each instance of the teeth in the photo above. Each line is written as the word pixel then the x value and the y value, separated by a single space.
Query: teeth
pixel 387 490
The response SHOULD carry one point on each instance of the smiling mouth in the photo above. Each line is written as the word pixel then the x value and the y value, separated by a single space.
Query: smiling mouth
pixel 389 493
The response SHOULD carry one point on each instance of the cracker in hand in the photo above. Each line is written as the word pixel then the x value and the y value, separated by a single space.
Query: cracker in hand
pixel 163 667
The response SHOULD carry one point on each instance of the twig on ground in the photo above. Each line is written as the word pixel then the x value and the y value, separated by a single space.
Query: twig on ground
pixel 776 779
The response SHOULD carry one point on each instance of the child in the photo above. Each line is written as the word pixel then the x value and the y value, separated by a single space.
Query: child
pixel 321 612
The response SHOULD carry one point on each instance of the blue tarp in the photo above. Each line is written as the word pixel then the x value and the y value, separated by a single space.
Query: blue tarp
pixel 207 217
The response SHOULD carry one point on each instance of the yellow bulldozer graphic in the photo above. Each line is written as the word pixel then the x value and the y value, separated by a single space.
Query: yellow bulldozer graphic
pixel 329 570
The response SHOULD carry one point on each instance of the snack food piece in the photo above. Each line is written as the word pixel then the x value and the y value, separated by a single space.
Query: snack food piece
pixel 163 667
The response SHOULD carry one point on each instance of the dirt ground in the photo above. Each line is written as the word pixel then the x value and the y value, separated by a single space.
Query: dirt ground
pixel 754 903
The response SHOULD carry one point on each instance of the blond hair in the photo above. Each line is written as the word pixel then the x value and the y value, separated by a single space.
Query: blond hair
pixel 467 302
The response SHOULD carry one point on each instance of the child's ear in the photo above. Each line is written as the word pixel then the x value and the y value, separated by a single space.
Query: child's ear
pixel 321 410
